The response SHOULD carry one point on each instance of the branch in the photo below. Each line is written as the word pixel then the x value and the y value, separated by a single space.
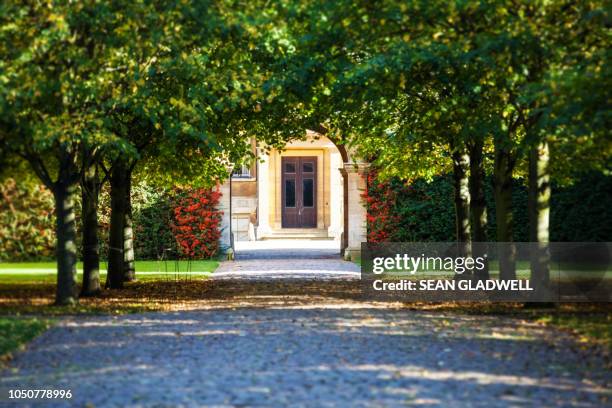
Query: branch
pixel 320 128
pixel 39 168
pixel 106 174
pixel 132 165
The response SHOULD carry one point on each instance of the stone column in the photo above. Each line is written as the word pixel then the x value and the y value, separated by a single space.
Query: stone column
pixel 356 212
pixel 226 242
pixel 263 196
pixel 336 197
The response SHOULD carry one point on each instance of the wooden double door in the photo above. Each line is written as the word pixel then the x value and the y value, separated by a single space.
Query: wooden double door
pixel 299 192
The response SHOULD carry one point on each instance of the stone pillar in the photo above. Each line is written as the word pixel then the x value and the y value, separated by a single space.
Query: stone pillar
pixel 263 196
pixel 226 242
pixel 336 197
pixel 356 211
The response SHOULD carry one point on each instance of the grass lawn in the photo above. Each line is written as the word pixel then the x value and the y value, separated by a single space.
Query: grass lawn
pixel 29 288
pixel 45 272
pixel 16 331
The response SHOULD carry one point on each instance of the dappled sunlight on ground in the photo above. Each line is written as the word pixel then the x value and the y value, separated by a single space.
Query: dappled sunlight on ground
pixel 298 342
pixel 317 356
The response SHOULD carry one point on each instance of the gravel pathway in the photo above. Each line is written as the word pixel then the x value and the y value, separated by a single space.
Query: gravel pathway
pixel 274 269
pixel 287 260
pixel 305 340
pixel 351 356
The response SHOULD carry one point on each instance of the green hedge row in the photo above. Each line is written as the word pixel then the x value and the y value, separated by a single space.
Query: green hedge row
pixel 580 212
pixel 152 217
pixel 27 222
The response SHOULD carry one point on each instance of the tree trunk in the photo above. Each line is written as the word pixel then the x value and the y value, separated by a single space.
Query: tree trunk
pixel 115 276
pixel 66 251
pixel 91 250
pixel 503 210
pixel 462 204
pixel 478 208
pixel 539 214
pixel 129 267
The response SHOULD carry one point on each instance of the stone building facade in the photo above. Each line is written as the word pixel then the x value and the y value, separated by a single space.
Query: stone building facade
pixel 309 190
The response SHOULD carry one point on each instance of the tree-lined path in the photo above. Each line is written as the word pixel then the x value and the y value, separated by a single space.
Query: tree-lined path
pixel 308 343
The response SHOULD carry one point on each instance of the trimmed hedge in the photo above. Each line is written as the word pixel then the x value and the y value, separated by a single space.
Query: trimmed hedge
pixel 155 213
pixel 423 211
pixel 27 222
pixel 152 220
pixel 583 212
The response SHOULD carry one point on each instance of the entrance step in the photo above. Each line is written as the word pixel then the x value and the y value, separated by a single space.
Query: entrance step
pixel 288 249
pixel 298 233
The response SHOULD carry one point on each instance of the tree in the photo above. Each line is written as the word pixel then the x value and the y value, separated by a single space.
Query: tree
pixel 535 45
pixel 91 182
pixel 373 75
pixel 568 115
pixel 420 86
pixel 49 90
pixel 84 84
pixel 321 60
pixel 182 107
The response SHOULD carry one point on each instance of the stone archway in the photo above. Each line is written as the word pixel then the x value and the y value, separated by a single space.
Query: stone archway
pixel 349 215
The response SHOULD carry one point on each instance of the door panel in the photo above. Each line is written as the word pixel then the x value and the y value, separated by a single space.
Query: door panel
pixel 299 192
pixel 308 193
pixel 289 192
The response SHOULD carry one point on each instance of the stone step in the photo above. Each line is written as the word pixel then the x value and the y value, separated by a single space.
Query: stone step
pixel 296 237
pixel 298 233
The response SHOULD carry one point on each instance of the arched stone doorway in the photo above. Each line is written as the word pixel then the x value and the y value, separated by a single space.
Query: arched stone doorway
pixel 310 190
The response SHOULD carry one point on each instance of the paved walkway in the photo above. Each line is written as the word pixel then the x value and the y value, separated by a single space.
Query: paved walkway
pixel 287 249
pixel 306 341
pixel 287 259
pixel 318 269
pixel 346 357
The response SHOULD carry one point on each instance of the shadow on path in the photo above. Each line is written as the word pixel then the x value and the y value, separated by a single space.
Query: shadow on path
pixel 310 357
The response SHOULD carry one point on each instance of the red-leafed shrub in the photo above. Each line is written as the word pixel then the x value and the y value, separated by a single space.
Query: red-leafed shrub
pixel 196 223
pixel 381 218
